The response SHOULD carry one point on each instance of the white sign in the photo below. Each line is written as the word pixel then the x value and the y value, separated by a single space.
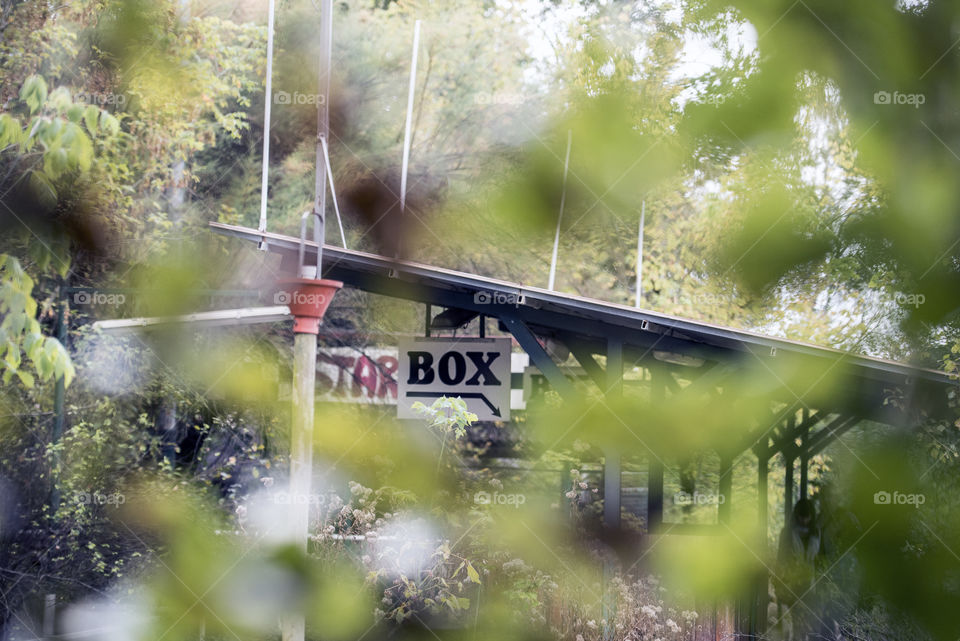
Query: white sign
pixel 475 369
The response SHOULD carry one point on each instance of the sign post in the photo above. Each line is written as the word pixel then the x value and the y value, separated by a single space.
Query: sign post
pixel 474 369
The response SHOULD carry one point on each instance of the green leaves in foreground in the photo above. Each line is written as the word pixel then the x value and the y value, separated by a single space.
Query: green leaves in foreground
pixel 20 331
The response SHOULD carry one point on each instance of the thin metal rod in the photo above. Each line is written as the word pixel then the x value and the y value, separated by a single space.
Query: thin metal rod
pixel 563 198
pixel 407 134
pixel 323 129
pixel 267 101
pixel 643 214
pixel 333 192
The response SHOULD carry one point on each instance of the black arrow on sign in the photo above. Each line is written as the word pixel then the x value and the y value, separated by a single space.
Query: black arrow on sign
pixel 493 408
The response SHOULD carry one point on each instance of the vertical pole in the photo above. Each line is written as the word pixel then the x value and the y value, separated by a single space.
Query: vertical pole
pixel 612 479
pixel 483 326
pixel 655 470
pixel 427 318
pixel 720 611
pixel 408 127
pixel 563 197
pixel 267 101
pixel 789 454
pixel 804 456
pixel 725 489
pixel 59 396
pixel 323 129
pixel 639 295
pixel 301 457
pixel 611 466
pixel 759 602
pixel 49 615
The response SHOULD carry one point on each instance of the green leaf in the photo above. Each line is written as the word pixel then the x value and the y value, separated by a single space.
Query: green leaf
pixel 90 116
pixel 10 130
pixel 43 189
pixel 26 378
pixel 472 574
pixel 55 162
pixel 75 112
pixel 34 92
pixel 109 123
pixel 60 99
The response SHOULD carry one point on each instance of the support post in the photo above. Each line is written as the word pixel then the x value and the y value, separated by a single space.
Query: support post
pixel 804 466
pixel 804 457
pixel 789 455
pixel 612 478
pixel 655 472
pixel 758 613
pixel 611 456
pixel 725 489
pixel 301 457
pixel 59 396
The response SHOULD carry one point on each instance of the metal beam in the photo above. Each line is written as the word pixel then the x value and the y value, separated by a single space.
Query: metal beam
pixel 539 356
pixel 589 364
pixel 350 264
pixel 218 318
pixel 817 444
